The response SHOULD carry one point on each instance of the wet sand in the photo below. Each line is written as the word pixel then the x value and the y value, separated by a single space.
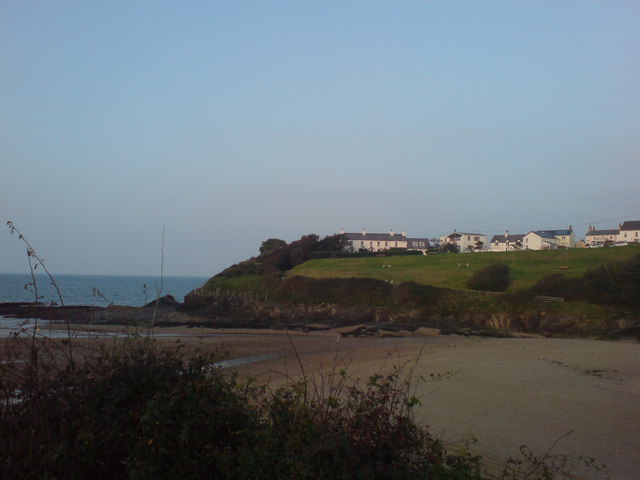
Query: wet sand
pixel 504 392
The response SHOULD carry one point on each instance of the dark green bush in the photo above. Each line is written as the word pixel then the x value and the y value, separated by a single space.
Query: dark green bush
pixel 493 278
pixel 353 291
pixel 131 412
pixel 135 412
pixel 616 283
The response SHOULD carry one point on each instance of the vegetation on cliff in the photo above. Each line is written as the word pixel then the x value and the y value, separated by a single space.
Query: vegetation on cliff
pixel 597 287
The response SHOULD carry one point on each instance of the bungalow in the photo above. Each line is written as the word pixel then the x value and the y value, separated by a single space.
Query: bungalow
pixel 465 241
pixel 507 242
pixel 375 242
pixel 629 231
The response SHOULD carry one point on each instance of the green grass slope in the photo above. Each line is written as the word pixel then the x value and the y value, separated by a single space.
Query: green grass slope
pixel 450 269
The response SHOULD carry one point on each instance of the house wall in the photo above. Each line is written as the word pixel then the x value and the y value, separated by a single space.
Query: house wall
pixel 629 236
pixel 500 247
pixel 377 245
pixel 567 241
pixel 533 241
pixel 590 238
pixel 467 240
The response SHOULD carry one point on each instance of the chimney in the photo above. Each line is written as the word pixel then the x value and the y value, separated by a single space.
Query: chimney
pixel 404 234
pixel 364 232
pixel 391 232
pixel 506 234
pixel 342 231
pixel 570 228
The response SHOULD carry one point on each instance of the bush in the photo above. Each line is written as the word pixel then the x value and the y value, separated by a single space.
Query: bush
pixel 135 412
pixel 362 291
pixel 616 283
pixel 127 412
pixel 492 278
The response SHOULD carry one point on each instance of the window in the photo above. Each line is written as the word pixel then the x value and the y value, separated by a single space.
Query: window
pixel 468 238
pixel 422 244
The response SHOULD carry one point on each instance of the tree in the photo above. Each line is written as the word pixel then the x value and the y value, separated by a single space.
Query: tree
pixel 479 245
pixel 271 244
pixel 334 243
pixel 448 248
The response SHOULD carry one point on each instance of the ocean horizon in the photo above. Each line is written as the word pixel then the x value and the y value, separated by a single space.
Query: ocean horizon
pixel 95 290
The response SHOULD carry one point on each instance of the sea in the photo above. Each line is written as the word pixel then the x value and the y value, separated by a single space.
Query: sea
pixel 95 290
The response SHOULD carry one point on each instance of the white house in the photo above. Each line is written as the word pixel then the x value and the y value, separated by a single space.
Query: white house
pixel 375 242
pixel 564 238
pixel 507 242
pixel 466 241
pixel 540 240
pixel 629 231
pixel 601 236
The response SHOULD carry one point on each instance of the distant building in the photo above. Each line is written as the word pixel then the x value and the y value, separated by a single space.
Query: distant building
pixel 375 242
pixel 629 231
pixel 540 240
pixel 466 241
pixel 507 242
pixel 550 239
pixel 601 236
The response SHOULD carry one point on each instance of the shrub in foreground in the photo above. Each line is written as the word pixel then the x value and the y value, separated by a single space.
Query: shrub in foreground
pixel 493 278
pixel 135 412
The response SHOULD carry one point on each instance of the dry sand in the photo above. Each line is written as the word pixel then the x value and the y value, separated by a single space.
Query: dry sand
pixel 504 392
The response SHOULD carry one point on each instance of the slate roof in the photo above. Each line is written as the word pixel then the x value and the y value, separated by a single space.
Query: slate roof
pixel 512 237
pixel 631 225
pixel 460 234
pixel 376 237
pixel 602 232
pixel 544 234
pixel 415 243
pixel 556 233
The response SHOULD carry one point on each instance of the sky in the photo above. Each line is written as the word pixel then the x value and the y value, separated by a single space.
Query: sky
pixel 227 123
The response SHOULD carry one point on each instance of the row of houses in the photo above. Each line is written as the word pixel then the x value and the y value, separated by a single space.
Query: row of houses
pixel 464 242
pixel 375 242
pixel 534 240
pixel 627 232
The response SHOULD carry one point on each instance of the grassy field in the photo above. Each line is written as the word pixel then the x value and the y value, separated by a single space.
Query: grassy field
pixel 452 269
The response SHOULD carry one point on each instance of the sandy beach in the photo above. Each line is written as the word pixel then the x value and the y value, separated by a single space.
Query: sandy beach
pixel 502 392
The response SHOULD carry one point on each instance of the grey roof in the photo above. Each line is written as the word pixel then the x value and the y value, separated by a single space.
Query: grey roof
pixel 411 243
pixel 544 234
pixel 512 237
pixel 377 237
pixel 555 233
pixel 631 225
pixel 602 232
pixel 459 234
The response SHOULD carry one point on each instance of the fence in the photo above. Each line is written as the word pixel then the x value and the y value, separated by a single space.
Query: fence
pixel 542 298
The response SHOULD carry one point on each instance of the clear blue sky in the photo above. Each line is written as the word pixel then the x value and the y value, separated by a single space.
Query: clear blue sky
pixel 232 122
